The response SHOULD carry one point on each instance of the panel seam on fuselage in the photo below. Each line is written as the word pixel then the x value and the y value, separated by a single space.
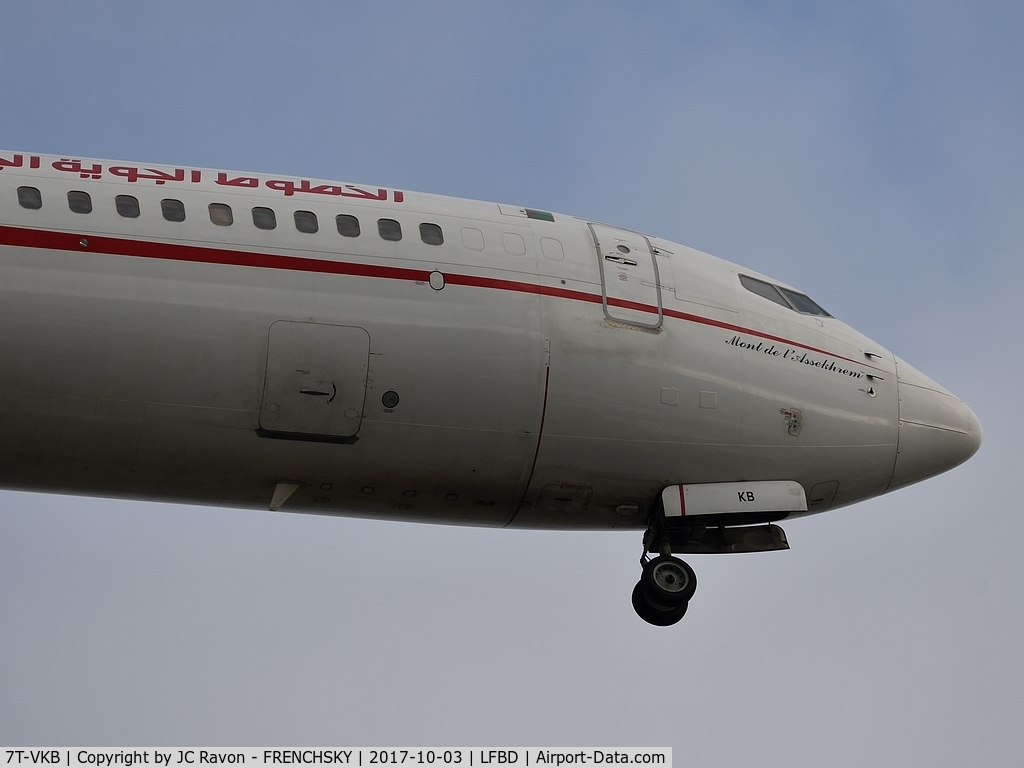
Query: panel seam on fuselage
pixel 536 453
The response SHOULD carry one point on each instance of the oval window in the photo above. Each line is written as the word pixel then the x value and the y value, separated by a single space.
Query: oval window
pixel 264 218
pixel 348 226
pixel 127 206
pixel 79 202
pixel 220 214
pixel 173 210
pixel 431 234
pixel 389 229
pixel 29 197
pixel 305 221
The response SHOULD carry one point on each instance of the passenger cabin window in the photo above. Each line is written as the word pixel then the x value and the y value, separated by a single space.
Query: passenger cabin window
pixel 389 229
pixel 305 221
pixel 348 226
pixel 173 210
pixel 783 296
pixel 79 202
pixel 127 206
pixel 29 197
pixel 220 214
pixel 264 218
pixel 431 234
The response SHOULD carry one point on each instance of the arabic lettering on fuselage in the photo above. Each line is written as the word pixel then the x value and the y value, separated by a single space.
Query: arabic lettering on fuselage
pixel 17 161
pixel 134 174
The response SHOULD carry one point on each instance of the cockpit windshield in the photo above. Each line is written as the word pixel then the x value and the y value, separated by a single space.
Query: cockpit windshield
pixel 803 303
pixel 787 297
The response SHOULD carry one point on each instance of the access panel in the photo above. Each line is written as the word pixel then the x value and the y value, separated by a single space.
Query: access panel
pixel 316 381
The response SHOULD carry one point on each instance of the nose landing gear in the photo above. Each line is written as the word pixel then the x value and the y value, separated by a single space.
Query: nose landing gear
pixel 668 580
pixel 655 613
pixel 666 585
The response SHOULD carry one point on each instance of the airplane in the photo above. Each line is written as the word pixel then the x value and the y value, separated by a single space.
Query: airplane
pixel 261 341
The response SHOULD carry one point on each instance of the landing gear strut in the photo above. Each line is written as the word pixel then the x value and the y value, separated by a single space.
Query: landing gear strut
pixel 666 584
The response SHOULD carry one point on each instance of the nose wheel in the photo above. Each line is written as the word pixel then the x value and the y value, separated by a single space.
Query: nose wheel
pixel 666 585
pixel 655 613
pixel 668 581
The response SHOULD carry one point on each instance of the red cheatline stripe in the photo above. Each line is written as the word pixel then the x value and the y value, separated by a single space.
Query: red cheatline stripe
pixel 682 500
pixel 116 246
pixel 173 252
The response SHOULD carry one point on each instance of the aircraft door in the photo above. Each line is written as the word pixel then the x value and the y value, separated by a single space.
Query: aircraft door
pixel 316 381
pixel 630 286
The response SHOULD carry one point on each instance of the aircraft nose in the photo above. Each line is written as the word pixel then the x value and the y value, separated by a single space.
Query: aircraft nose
pixel 937 430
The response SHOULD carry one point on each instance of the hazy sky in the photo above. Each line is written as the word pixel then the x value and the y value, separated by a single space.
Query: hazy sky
pixel 869 153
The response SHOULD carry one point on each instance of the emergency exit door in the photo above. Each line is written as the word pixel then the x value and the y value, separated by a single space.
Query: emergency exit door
pixel 630 286
pixel 315 382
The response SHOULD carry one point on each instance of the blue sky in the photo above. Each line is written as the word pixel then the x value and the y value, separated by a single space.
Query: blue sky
pixel 870 154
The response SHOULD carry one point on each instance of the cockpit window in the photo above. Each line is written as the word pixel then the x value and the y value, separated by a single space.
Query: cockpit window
pixel 788 298
pixel 761 288
pixel 803 303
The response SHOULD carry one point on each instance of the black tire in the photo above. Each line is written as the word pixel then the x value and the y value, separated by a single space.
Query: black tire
pixel 668 581
pixel 659 616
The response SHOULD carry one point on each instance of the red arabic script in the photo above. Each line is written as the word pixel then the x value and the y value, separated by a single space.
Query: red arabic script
pixel 94 171
pixel 241 181
pixel 160 177
pixel 348 190
pixel 382 194
pixel 132 174
pixel 14 162
pixel 290 188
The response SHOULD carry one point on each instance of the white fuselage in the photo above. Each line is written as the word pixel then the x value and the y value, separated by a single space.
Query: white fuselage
pixel 548 371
